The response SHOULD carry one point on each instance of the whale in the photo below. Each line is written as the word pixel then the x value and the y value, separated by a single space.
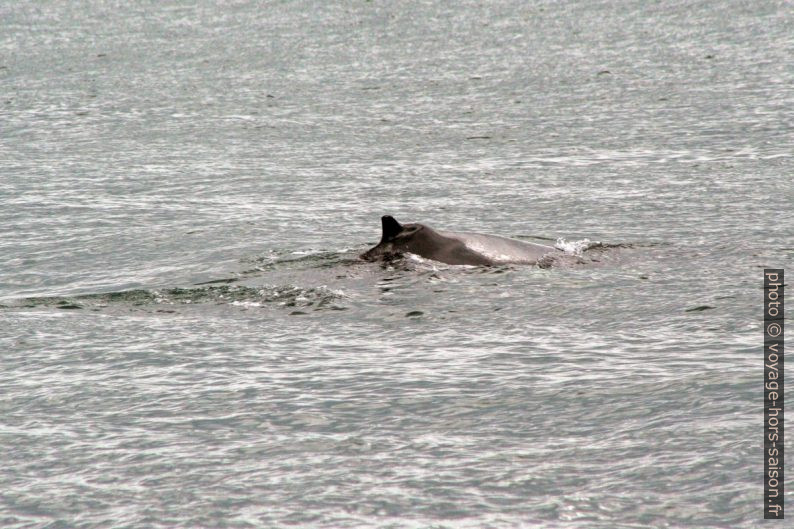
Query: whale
pixel 454 248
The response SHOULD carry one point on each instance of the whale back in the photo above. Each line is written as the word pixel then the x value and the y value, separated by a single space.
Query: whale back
pixel 452 247
pixel 501 249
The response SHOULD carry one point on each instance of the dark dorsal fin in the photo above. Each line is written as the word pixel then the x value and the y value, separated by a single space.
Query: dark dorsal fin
pixel 390 227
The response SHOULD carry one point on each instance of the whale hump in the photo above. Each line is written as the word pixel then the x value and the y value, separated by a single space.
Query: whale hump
pixel 390 227
pixel 455 248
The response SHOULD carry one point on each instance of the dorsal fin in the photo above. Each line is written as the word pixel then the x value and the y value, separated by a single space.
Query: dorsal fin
pixel 390 227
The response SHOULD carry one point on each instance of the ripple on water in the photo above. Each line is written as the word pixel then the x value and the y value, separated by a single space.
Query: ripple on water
pixel 161 300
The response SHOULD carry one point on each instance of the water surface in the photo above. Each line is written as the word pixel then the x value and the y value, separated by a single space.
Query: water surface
pixel 188 340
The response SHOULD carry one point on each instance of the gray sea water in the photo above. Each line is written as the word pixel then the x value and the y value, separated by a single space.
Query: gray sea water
pixel 188 340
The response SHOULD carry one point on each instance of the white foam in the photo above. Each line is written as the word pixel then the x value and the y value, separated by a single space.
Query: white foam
pixel 574 247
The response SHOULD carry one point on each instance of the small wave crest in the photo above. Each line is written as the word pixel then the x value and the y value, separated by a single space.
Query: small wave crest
pixel 315 298
pixel 576 248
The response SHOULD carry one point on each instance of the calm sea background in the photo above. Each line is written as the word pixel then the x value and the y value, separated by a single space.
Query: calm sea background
pixel 188 340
